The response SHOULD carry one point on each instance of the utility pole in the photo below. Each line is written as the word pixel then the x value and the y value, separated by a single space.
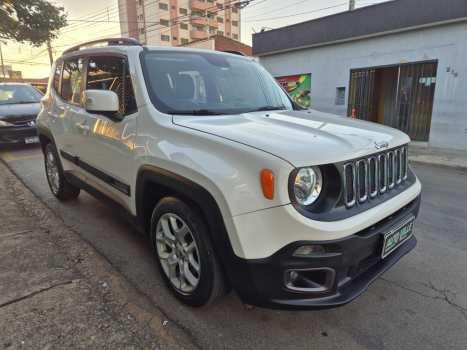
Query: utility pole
pixel 351 5
pixel 3 66
pixel 50 53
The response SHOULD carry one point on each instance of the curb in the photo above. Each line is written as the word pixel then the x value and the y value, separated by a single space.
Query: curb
pixel 439 165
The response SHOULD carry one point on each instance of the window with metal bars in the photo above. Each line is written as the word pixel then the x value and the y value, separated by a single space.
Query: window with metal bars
pixel 361 93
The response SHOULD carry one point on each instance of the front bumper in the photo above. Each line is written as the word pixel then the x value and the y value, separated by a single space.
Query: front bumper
pixel 16 134
pixel 355 260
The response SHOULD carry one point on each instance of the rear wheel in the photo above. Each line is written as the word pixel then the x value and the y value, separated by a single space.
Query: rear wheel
pixel 58 184
pixel 185 252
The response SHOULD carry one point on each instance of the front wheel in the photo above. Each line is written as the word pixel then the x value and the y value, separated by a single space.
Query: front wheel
pixel 58 184
pixel 185 252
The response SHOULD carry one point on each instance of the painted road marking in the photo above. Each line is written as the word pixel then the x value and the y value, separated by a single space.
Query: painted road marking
pixel 8 157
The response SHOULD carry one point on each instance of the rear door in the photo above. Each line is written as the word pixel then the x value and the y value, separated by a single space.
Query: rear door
pixel 105 146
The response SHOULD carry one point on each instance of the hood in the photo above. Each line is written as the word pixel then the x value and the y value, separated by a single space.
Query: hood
pixel 19 112
pixel 303 138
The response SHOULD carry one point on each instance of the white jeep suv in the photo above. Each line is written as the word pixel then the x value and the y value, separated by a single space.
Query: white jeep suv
pixel 236 185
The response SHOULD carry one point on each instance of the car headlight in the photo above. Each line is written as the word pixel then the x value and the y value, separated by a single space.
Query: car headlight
pixel 4 123
pixel 308 185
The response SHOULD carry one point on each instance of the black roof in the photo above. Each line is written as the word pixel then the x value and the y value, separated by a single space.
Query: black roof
pixel 378 19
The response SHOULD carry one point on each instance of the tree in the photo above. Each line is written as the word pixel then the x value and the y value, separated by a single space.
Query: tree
pixel 34 21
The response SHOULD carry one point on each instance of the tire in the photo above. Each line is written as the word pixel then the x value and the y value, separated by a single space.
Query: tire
pixel 58 184
pixel 181 239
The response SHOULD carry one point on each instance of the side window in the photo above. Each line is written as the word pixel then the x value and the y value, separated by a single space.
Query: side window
pixel 71 80
pixel 106 73
pixel 56 81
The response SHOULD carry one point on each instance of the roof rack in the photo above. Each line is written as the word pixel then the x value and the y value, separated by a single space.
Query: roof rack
pixel 234 52
pixel 110 42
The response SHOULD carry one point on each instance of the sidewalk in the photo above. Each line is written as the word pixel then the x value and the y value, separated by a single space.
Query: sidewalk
pixel 45 303
pixel 449 159
pixel 52 289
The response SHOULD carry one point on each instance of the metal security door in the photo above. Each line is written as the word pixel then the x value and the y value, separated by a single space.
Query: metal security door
pixel 414 100
pixel 361 93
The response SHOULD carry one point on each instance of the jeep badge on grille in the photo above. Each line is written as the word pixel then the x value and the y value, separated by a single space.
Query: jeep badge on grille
pixel 381 144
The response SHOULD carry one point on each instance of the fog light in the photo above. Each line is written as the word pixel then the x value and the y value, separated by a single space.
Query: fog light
pixel 293 275
pixel 310 250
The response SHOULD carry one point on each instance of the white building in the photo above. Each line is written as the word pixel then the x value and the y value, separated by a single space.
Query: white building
pixel 401 63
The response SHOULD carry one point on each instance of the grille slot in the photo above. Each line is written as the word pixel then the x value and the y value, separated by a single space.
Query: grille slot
pixel 390 161
pixel 404 163
pixel 398 166
pixel 362 187
pixel 349 184
pixel 372 177
pixel 383 177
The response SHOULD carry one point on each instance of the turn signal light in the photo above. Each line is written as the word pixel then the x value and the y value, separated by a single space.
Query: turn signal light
pixel 267 182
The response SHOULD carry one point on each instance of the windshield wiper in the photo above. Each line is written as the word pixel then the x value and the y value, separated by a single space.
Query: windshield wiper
pixel 268 108
pixel 196 112
pixel 20 102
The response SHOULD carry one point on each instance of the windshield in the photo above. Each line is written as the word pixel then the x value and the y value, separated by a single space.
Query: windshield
pixel 210 83
pixel 10 94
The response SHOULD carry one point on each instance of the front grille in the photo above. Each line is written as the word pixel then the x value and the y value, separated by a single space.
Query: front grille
pixel 365 178
pixel 361 181
pixel 349 184
pixel 22 123
pixel 366 263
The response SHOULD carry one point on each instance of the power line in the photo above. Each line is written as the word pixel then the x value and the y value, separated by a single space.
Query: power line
pixel 297 14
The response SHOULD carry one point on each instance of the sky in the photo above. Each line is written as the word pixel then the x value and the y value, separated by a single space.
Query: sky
pixel 35 62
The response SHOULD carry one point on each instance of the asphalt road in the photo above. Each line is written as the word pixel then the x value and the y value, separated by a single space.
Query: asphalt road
pixel 420 303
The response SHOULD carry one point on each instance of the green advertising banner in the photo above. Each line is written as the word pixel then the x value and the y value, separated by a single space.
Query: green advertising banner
pixel 298 87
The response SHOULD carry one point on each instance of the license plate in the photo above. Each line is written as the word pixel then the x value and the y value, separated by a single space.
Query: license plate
pixel 33 139
pixel 394 238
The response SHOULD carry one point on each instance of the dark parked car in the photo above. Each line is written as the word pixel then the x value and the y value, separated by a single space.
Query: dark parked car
pixel 19 106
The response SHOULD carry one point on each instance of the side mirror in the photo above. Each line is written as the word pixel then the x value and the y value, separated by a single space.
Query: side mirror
pixel 102 102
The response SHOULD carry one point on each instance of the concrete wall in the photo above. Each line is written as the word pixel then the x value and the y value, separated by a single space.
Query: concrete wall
pixel 330 68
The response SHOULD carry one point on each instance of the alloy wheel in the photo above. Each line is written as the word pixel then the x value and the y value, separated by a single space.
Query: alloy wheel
pixel 52 172
pixel 178 253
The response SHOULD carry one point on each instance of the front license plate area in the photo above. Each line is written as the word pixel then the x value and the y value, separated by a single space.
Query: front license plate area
pixel 33 139
pixel 397 236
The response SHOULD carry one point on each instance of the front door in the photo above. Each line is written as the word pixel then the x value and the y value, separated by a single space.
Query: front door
pixel 105 146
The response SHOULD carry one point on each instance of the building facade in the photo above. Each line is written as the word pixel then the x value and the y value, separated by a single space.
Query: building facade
pixel 221 43
pixel 400 63
pixel 176 22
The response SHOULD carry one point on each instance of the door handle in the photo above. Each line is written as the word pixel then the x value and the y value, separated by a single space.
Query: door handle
pixel 83 126
pixel 53 115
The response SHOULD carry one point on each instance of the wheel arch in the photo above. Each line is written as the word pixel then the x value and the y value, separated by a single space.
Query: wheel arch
pixel 45 137
pixel 153 183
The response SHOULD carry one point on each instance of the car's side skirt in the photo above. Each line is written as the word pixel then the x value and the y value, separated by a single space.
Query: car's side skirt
pixel 102 194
